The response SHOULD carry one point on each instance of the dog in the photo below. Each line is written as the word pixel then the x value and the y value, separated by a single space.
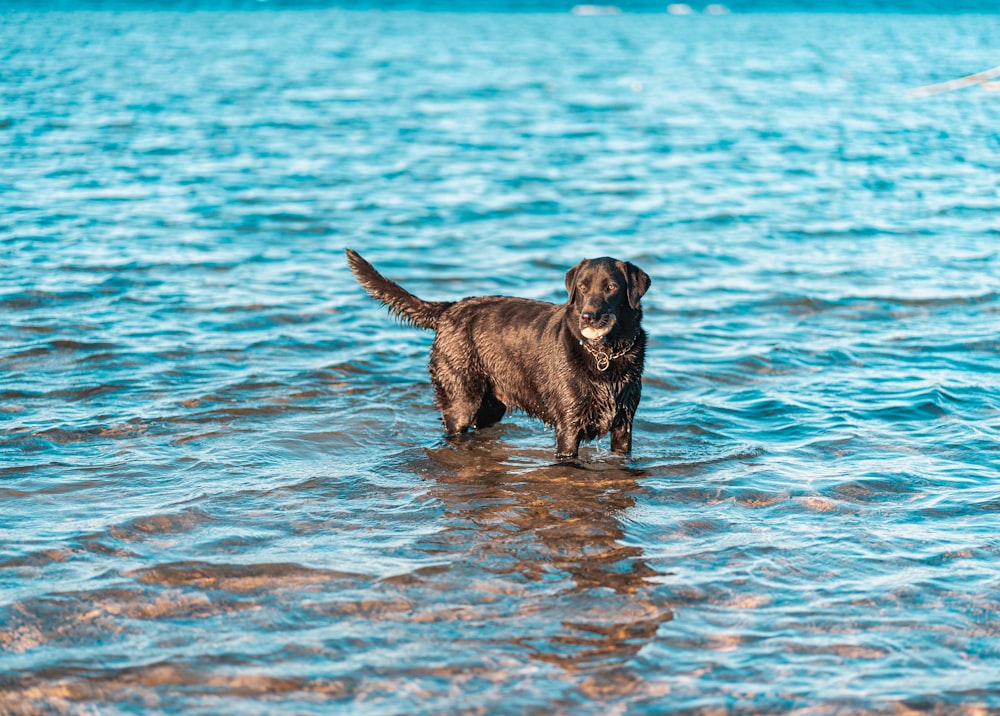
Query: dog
pixel 576 366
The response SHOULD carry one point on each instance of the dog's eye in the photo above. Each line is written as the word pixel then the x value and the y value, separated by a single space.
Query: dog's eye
pixel 582 287
pixel 612 287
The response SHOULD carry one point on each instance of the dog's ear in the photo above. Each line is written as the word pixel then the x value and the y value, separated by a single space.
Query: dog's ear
pixel 571 281
pixel 638 283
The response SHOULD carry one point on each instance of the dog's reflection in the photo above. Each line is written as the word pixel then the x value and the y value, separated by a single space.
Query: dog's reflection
pixel 550 539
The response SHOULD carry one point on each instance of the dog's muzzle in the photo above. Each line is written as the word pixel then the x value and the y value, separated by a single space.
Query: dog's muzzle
pixel 594 328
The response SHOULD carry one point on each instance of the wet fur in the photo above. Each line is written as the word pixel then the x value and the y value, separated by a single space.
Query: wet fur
pixel 492 353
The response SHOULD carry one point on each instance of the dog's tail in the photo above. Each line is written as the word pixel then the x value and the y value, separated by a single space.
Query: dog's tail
pixel 401 303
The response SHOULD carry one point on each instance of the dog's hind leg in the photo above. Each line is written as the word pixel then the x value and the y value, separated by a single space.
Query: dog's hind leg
pixel 457 394
pixel 490 410
pixel 458 411
pixel 465 408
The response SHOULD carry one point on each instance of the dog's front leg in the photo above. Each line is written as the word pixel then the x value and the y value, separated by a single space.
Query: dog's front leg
pixel 567 441
pixel 621 434
pixel 621 425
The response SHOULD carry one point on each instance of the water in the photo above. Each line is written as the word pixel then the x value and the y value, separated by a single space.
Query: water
pixel 223 482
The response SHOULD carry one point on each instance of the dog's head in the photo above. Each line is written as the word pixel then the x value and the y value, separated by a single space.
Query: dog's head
pixel 604 296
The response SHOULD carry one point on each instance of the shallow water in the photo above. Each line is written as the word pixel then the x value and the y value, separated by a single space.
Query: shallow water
pixel 223 482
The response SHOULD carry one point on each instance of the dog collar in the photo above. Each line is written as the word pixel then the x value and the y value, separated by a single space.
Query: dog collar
pixel 603 358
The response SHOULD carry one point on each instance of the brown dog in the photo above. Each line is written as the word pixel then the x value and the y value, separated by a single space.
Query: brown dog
pixel 577 366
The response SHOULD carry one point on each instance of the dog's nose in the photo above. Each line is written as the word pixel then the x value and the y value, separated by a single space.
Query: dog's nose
pixel 588 316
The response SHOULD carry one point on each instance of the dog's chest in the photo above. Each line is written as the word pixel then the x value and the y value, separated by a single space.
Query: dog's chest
pixel 598 406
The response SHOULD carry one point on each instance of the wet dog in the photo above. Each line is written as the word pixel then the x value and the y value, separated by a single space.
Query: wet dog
pixel 577 365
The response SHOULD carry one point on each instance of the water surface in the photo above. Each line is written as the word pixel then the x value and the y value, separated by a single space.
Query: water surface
pixel 223 482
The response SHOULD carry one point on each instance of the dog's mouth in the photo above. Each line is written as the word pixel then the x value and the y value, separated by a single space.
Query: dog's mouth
pixel 597 330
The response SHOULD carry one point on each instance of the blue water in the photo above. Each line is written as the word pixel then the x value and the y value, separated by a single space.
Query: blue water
pixel 223 483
